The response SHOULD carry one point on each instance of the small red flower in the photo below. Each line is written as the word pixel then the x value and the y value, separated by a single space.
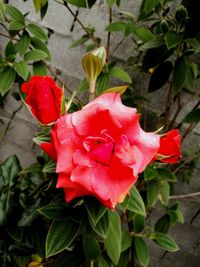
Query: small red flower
pixel 169 150
pixel 44 98
pixel 100 150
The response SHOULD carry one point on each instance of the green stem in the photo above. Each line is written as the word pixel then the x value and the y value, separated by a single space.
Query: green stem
pixel 92 90
pixel 92 264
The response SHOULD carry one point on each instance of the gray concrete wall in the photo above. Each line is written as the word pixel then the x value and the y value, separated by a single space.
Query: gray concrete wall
pixel 68 61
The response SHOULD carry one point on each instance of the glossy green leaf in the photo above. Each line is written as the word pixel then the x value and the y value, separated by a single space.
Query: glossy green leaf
pixel 14 13
pixel 126 240
pixel 82 3
pixel 103 82
pixel 29 215
pixel 116 26
pixel 150 5
pixel 38 44
pixel 150 173
pixel 163 192
pixel 144 34
pixel 40 69
pixel 136 203
pixel 160 76
pixel 7 79
pixel 152 193
pixel 111 2
pixel 179 74
pixel 155 43
pixel 166 174
pixel 37 31
pixel 16 25
pixel 56 211
pixel 38 4
pixel 91 247
pixel 22 69
pixel 60 236
pixel 163 224
pixel 35 55
pixel 121 74
pixel 23 44
pixel 142 251
pixel 193 43
pixel 172 39
pixel 177 209
pixel 95 210
pixel 138 223
pixel 193 116
pixel 102 226
pixel 165 241
pixel 113 239
pixel 10 49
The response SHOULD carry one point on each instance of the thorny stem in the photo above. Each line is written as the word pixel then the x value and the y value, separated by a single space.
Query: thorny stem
pixel 91 36
pixel 109 34
pixel 9 123
pixel 185 196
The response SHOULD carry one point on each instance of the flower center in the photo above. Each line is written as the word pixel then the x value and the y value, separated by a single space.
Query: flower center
pixel 99 148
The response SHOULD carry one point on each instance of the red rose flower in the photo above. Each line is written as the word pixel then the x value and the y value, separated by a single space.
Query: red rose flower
pixel 100 150
pixel 169 150
pixel 44 98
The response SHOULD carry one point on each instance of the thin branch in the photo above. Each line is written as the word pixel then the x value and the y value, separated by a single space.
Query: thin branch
pixel 179 106
pixel 169 103
pixel 9 123
pixel 91 36
pixel 109 34
pixel 117 46
pixel 196 194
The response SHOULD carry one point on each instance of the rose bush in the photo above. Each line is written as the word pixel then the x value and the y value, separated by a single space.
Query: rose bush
pixel 44 98
pixel 169 150
pixel 100 150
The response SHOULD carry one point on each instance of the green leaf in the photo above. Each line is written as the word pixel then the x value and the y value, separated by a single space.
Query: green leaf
pixel 150 173
pixel 37 31
pixel 152 44
pixel 9 171
pixel 16 25
pixel 23 44
pixel 103 82
pixel 138 223
pixel 82 3
pixel 95 209
pixel 150 5
pixel 92 66
pixel 142 251
pixel 14 13
pixel 116 26
pixel 35 55
pixel 163 192
pixel 56 211
pixel 91 247
pixel 193 43
pixel 7 79
pixel 38 4
pixel 102 226
pixel 60 236
pixel 113 240
pixel 160 76
pixel 175 213
pixel 22 69
pixel 192 117
pixel 111 2
pixel 172 39
pixel 166 174
pixel 39 68
pixel 126 241
pixel 2 10
pixel 152 193
pixel 119 73
pixel 10 49
pixel 165 241
pixel 144 34
pixel 38 44
pixel 163 224
pixel 119 89
pixel 179 74
pixel 136 203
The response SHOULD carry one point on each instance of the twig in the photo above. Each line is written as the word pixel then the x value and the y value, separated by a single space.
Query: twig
pixel 8 36
pixel 91 36
pixel 109 34
pixel 169 103
pixel 177 112
pixel 9 123
pixel 185 196
pixel 117 46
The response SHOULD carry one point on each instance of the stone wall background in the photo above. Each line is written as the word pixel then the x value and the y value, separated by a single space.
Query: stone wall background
pixel 68 60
